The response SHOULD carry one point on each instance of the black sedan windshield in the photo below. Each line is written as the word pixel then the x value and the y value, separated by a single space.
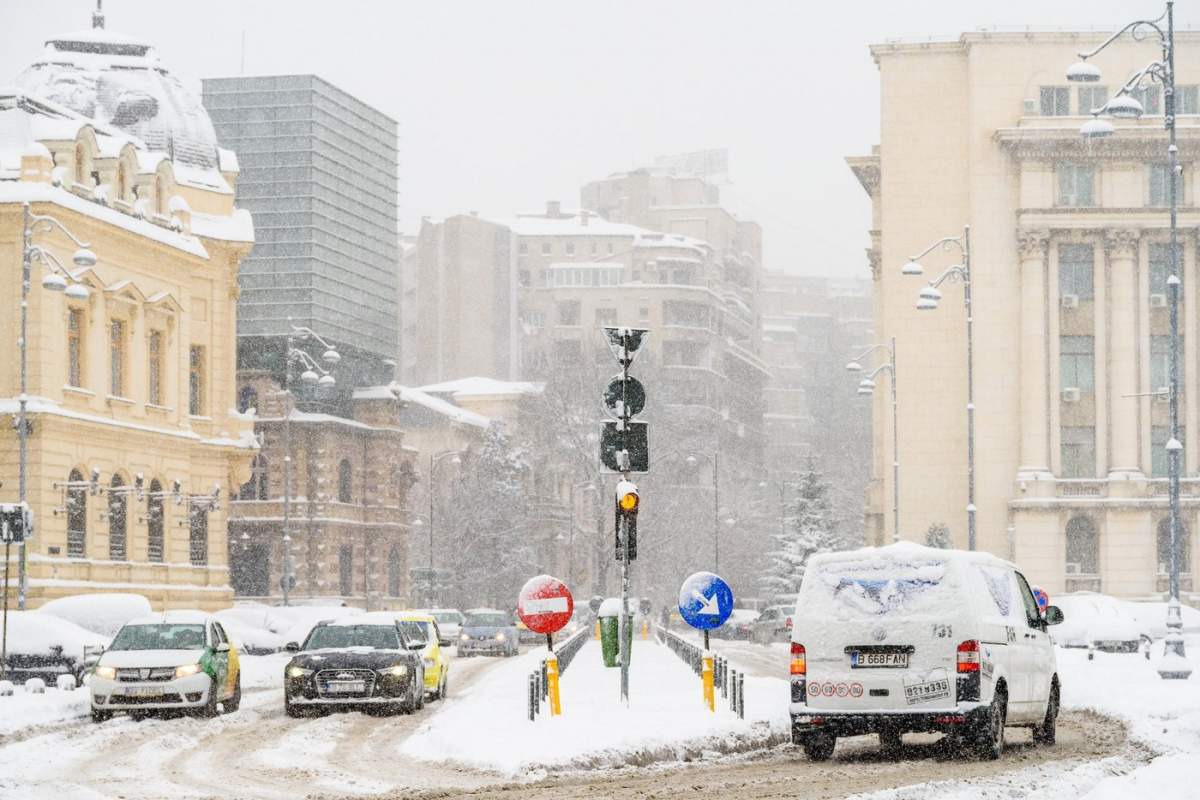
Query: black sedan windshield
pixel 380 637
pixel 159 637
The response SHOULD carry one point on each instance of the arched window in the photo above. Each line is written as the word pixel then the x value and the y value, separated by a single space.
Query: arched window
pixel 76 515
pixel 257 488
pixel 1083 547
pixel 198 536
pixel 118 519
pixel 247 399
pixel 1164 548
pixel 394 572
pixel 345 481
pixel 155 523
pixel 80 166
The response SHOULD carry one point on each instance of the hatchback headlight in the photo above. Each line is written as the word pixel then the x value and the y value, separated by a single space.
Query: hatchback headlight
pixel 108 673
pixel 500 637
pixel 186 669
pixel 298 672
pixel 397 671
pixel 464 638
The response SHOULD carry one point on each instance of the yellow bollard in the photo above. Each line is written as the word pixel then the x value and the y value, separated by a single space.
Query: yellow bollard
pixel 596 634
pixel 645 630
pixel 552 685
pixel 706 675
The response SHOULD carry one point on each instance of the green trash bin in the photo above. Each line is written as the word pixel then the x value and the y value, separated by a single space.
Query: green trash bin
pixel 610 642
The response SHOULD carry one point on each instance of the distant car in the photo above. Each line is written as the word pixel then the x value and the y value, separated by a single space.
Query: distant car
pixel 449 622
pixel 774 624
pixel 1099 621
pixel 362 661
pixel 487 631
pixel 437 663
pixel 173 660
pixel 526 636
pixel 44 646
pixel 737 626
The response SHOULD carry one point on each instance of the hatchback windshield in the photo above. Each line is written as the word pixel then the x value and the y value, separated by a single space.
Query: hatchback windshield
pixel 496 620
pixel 159 637
pixel 380 637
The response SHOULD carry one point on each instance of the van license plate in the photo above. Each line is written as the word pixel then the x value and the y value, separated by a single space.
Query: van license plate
pixel 859 660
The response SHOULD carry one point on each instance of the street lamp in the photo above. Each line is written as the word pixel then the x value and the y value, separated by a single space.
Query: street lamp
pixel 57 279
pixel 434 460
pixel 927 300
pixel 313 377
pixel 867 387
pixel 715 460
pixel 1124 105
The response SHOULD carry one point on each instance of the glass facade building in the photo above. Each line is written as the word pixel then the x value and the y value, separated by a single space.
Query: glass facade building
pixel 318 173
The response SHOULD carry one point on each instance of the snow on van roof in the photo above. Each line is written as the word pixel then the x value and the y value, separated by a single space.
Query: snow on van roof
pixel 905 550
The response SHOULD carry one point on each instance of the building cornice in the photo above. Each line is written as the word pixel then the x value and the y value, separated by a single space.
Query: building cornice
pixel 1140 142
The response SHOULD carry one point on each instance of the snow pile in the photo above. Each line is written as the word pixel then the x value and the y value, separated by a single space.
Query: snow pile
pixel 99 613
pixel 250 638
pixel 38 633
pixel 268 628
pixel 487 726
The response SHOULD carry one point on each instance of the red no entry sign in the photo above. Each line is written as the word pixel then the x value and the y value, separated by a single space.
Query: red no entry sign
pixel 545 604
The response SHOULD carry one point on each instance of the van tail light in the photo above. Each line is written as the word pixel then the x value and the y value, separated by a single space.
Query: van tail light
pixel 968 656
pixel 799 664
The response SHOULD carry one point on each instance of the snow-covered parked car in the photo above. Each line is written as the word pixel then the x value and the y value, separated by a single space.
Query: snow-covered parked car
pixel 44 646
pixel 774 624
pixel 1100 621
pixel 908 638
pixel 738 625
pixel 171 660
pixel 102 613
pixel 358 661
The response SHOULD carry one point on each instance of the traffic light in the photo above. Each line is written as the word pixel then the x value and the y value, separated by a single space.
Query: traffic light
pixel 16 523
pixel 623 443
pixel 627 504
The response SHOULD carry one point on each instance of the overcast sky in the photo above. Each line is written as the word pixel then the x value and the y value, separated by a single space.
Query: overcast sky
pixel 504 105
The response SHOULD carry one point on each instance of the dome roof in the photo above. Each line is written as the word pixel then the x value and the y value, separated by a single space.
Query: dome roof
pixel 119 81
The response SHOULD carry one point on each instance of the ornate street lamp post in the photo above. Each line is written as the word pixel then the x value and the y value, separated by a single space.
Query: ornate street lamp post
pixel 867 387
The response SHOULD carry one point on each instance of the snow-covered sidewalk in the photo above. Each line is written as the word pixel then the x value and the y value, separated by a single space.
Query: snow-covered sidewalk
pixel 488 726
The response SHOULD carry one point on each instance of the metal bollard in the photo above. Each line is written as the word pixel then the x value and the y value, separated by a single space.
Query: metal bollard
pixel 532 700
pixel 741 693
pixel 545 680
pixel 733 692
pixel 707 682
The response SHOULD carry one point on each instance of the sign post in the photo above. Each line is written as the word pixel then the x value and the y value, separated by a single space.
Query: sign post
pixel 624 448
pixel 705 602
pixel 545 605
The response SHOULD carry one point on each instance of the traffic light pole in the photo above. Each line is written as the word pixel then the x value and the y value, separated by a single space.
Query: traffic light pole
pixel 625 636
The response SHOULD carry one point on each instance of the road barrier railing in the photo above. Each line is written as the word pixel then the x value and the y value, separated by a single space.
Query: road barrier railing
pixel 540 679
pixel 729 680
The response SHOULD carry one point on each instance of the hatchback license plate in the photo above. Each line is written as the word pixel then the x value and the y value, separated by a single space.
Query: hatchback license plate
pixel 142 691
pixel 345 687
pixel 860 660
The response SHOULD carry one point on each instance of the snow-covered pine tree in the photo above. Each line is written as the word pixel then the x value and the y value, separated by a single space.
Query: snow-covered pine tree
pixel 938 536
pixel 809 528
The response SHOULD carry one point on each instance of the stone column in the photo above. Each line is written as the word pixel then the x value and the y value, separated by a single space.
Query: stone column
pixel 1121 247
pixel 1035 432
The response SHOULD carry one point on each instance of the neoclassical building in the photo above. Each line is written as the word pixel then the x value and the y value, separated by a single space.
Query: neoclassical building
pixel 1069 265
pixel 134 442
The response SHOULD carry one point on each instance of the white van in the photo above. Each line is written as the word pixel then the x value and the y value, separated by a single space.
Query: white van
pixel 908 638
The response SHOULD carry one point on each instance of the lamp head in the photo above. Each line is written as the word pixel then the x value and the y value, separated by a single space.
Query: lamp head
pixel 1083 72
pixel 308 377
pixel 331 356
pixel 866 386
pixel 84 258
pixel 930 293
pixel 77 291
pixel 54 282
pixel 1096 128
pixel 327 381
pixel 912 268
pixel 691 461
pixel 1124 107
pixel 854 366
pixel 926 305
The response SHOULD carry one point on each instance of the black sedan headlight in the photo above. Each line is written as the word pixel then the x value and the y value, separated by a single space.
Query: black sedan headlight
pixel 395 671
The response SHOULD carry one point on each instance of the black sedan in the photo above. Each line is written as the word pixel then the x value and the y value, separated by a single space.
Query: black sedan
pixel 364 661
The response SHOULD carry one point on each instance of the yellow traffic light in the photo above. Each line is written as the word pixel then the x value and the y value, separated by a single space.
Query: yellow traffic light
pixel 628 501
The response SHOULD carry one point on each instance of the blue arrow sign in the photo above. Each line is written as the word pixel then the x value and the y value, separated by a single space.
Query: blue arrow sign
pixel 705 601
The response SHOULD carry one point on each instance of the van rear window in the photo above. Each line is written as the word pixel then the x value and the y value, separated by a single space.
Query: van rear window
pixel 879 587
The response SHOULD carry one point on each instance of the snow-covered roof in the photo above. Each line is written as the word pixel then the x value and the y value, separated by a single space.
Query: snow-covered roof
pixel 570 224
pixel 119 81
pixel 479 386
pixel 422 398
pixel 176 617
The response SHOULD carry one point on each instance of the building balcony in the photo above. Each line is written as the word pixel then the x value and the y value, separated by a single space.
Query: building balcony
pixel 1082 583
pixel 1082 487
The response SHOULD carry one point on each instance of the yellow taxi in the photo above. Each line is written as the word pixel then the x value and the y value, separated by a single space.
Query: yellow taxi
pixel 437 662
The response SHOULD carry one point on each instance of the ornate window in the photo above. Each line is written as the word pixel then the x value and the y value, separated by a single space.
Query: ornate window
pixel 116 338
pixel 198 536
pixel 76 515
pixel 345 482
pixel 1056 101
pixel 196 381
pixel 257 488
pixel 155 522
pixel 1083 547
pixel 1076 185
pixel 75 347
pixel 1078 451
pixel 1075 269
pixel 1091 98
pixel 155 368
pixel 1164 548
pixel 118 520
pixel 1076 356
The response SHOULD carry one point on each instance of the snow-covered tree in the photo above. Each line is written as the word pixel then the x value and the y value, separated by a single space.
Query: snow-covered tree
pixel 938 536
pixel 809 528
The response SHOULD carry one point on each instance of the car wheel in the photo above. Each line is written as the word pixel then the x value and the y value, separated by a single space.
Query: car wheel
pixel 101 716
pixel 989 735
pixel 819 746
pixel 420 699
pixel 291 709
pixel 232 704
pixel 209 709
pixel 445 681
pixel 890 742
pixel 1046 733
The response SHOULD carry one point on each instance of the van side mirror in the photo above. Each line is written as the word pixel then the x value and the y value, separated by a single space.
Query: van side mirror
pixel 292 647
pixel 222 647
pixel 1054 615
pixel 416 644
